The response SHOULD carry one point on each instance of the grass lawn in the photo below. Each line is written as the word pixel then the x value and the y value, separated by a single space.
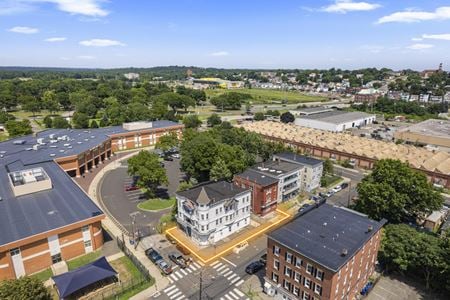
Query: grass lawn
pixel 26 114
pixel 263 96
pixel 330 180
pixel 83 260
pixel 3 137
pixel 43 275
pixel 157 204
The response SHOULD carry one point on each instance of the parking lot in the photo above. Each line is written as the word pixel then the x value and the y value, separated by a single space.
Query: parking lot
pixel 122 205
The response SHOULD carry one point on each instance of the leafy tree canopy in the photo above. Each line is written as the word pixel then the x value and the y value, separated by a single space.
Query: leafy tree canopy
pixel 146 166
pixel 24 288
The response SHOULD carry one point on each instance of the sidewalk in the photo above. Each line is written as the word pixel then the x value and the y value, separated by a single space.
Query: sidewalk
pixel 113 227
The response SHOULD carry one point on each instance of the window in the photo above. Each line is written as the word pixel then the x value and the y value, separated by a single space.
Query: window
pixel 274 277
pixel 287 285
pixel 288 257
pixel 319 274
pixel 297 276
pixel 307 283
pixel 217 211
pixel 298 262
pixel 276 250
pixel 287 271
pixel 309 269
pixel 15 251
pixel 276 264
pixel 305 296
pixel 296 291
pixel 318 289
pixel 85 228
pixel 87 244
pixel 56 258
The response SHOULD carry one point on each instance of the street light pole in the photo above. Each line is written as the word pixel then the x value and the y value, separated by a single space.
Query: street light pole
pixel 349 193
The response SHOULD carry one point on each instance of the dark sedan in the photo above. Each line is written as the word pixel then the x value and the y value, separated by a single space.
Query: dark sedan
pixel 254 267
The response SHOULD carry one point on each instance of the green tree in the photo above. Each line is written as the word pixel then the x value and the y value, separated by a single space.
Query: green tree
pixel 5 117
pixel 214 120
pixel 80 120
pixel 50 102
pixel 219 170
pixel 60 122
pixel 192 121
pixel 24 288
pixel 184 185
pixel 287 117
pixel 94 124
pixel 18 128
pixel 32 105
pixel 167 141
pixel 198 154
pixel 328 167
pixel 396 192
pixel 146 167
pixel 259 116
pixel 48 121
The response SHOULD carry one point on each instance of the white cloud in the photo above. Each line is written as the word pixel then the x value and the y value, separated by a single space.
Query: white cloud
pixel 220 53
pixel 411 16
pixel 101 43
pixel 86 57
pixel 24 30
pixel 420 46
pixel 444 36
pixel 417 39
pixel 55 39
pixel 344 6
pixel 90 8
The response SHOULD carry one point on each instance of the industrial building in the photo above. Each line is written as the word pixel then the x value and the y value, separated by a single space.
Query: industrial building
pixel 335 120
pixel 430 132
pixel 327 253
pixel 310 111
pixel 44 215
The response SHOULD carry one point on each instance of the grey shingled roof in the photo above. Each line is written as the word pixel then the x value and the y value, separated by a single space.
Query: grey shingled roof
pixel 258 178
pixel 322 233
pixel 214 192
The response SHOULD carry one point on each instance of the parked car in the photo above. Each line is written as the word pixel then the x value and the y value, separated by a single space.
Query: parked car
pixel 178 259
pixel 153 255
pixel 344 185
pixel 176 155
pixel 168 158
pixel 129 188
pixel 164 266
pixel 329 194
pixel 263 259
pixel 254 267
pixel 337 189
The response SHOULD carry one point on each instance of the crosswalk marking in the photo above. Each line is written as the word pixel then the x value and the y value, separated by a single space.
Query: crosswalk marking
pixel 234 280
pixel 181 297
pixel 217 265
pixel 214 263
pixel 175 295
pixel 228 297
pixel 231 276
pixel 238 292
pixel 189 270
pixel 169 288
pixel 173 277
pixel 172 292
pixel 240 282
pixel 170 280
pixel 228 273
pixel 233 295
pixel 197 265
pixel 183 271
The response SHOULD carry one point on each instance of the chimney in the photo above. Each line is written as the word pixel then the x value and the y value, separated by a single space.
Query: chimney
pixel 370 228
pixel 344 252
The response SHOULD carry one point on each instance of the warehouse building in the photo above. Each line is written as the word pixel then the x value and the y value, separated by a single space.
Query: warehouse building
pixel 335 121
pixel 45 216
pixel 430 132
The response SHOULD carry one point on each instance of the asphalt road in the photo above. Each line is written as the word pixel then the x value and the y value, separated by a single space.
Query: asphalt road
pixel 343 198
pixel 120 204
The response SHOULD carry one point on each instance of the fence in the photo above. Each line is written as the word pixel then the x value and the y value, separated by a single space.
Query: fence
pixel 132 257
pixel 113 291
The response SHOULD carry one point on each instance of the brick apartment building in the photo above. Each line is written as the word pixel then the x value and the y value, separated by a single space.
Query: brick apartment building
pixel 45 217
pixel 264 190
pixel 327 253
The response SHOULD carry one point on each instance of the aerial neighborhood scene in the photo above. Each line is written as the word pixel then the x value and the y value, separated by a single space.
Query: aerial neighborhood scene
pixel 241 150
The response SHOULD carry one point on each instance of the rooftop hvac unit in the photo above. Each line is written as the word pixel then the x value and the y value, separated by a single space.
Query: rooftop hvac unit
pixel 53 146
pixel 35 147
pixel 40 141
pixel 51 136
pixel 19 142
pixel 52 154
pixel 53 141
pixel 66 145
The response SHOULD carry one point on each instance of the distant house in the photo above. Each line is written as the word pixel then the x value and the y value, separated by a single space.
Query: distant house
pixel 434 221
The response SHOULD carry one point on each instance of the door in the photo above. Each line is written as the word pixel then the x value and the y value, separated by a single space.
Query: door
pixel 16 258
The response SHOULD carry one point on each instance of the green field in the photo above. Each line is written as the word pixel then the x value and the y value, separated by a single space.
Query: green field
pixel 265 96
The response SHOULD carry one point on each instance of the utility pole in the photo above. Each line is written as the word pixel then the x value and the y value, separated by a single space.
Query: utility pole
pixel 349 193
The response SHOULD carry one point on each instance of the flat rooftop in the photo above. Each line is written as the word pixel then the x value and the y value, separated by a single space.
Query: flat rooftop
pixel 323 233
pixel 420 158
pixel 432 127
pixel 301 159
pixel 312 110
pixel 337 116
pixel 258 178
pixel 276 168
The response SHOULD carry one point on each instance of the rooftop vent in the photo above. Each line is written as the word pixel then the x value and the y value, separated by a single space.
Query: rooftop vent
pixel 29 181
pixel 19 142
pixel 35 147
pixel 51 136
pixel 344 252
pixel 52 154
pixel 370 228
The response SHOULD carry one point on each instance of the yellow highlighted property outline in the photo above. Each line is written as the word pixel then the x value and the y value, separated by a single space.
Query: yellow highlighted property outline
pixel 207 260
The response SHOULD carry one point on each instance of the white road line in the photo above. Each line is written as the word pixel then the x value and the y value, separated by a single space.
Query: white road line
pixel 170 280
pixel 169 288
pixel 238 292
pixel 132 193
pixel 189 270
pixel 222 298
pixel 197 265
pixel 233 295
pixel 193 268
pixel 214 263
pixel 236 279
pixel 229 262
pixel 181 297
pixel 174 267
pixel 221 267
pixel 228 297
pixel 217 265
pixel 231 276
pixel 183 271
pixel 174 278
pixel 200 263
pixel 173 292
pixel 175 295
pixel 178 274
pixel 228 273
pixel 240 282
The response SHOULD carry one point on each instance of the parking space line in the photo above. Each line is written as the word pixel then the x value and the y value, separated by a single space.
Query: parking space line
pixel 239 292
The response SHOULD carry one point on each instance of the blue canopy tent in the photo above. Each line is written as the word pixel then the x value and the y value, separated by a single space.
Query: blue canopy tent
pixel 70 282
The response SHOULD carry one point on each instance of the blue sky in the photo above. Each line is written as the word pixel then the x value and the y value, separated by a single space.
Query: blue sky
pixel 232 34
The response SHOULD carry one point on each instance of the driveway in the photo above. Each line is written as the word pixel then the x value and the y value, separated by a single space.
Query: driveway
pixel 122 205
